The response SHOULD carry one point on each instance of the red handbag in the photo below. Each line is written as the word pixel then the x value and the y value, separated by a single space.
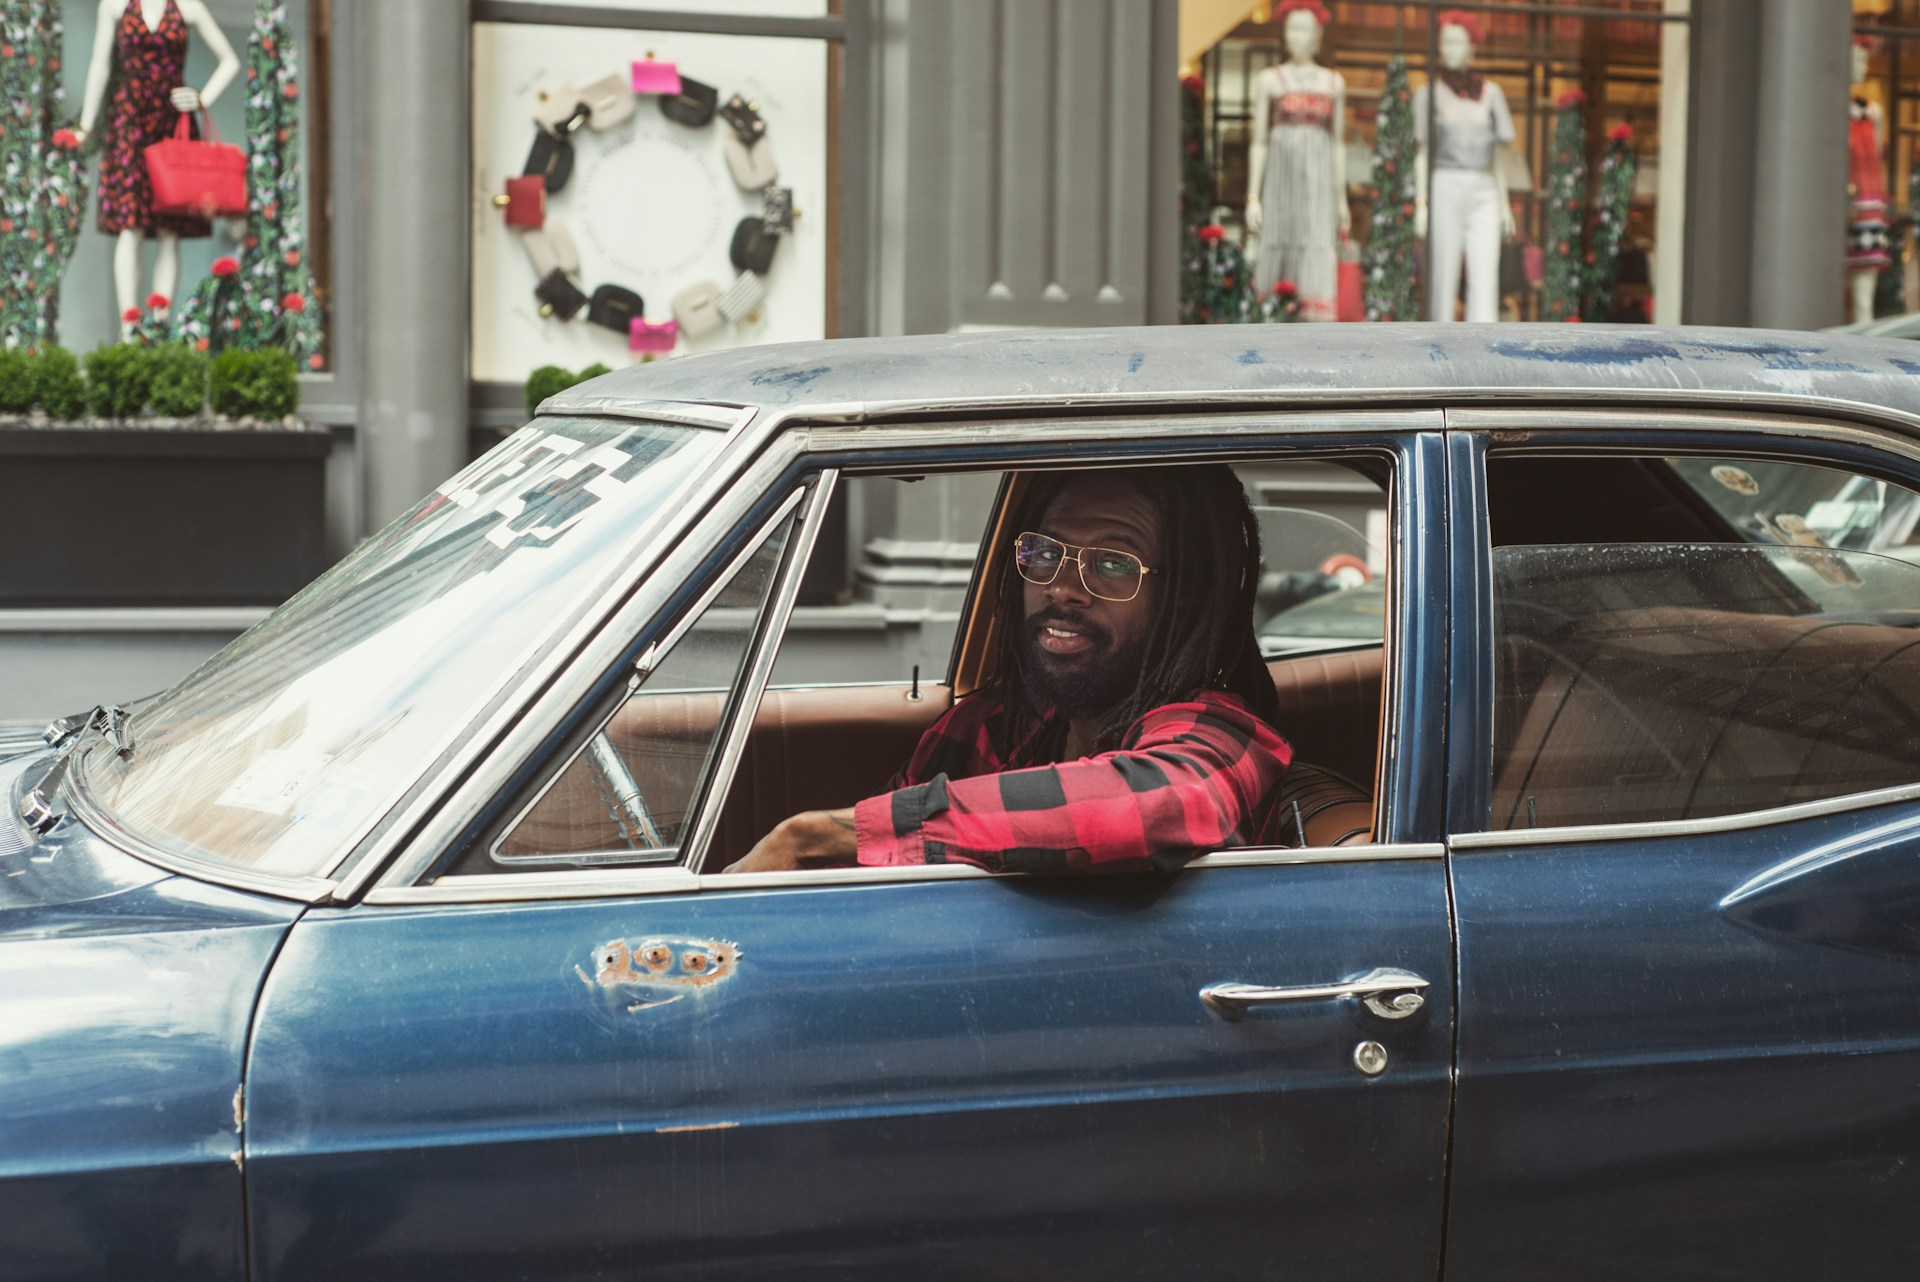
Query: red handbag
pixel 204 179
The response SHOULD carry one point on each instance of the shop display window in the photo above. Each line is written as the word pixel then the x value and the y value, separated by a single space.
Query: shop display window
pixel 1580 91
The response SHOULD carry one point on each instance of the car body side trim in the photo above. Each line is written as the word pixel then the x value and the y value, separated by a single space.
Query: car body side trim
pixel 533 886
pixel 1686 827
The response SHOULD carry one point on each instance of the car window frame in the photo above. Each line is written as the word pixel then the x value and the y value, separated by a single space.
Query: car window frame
pixel 971 444
pixel 1474 433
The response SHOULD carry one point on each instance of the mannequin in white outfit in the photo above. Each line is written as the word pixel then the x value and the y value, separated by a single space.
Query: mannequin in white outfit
pixel 127 247
pixel 1459 169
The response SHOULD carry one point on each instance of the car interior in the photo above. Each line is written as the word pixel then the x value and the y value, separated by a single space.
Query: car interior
pixel 824 747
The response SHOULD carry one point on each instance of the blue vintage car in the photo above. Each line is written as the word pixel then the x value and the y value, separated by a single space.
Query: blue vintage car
pixel 390 942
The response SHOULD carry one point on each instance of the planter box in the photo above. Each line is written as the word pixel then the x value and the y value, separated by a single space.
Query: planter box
pixel 168 514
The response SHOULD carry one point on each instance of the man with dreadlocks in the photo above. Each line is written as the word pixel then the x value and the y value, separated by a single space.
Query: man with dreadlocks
pixel 1130 721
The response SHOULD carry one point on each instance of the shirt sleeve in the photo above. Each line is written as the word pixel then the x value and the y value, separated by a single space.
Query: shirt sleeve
pixel 1192 777
pixel 957 743
pixel 1501 117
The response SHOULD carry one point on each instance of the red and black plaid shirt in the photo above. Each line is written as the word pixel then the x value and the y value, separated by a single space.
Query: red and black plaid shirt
pixel 1188 778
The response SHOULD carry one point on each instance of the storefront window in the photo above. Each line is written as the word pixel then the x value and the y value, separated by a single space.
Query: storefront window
pixel 125 256
pixel 1536 166
pixel 1883 135
pixel 641 193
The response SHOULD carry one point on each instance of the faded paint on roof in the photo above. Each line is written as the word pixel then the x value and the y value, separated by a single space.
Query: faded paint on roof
pixel 1158 362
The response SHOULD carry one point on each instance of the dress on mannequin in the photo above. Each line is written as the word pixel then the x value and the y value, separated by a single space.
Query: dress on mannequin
pixel 149 63
pixel 1470 123
pixel 1868 248
pixel 1300 234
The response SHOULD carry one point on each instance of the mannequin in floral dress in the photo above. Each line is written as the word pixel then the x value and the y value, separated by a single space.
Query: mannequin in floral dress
pixel 1297 180
pixel 141 47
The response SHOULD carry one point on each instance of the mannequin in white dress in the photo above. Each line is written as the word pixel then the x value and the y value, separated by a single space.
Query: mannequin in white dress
pixel 1459 174
pixel 1297 178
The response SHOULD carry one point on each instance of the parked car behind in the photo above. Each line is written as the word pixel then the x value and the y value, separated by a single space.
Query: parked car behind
pixel 390 942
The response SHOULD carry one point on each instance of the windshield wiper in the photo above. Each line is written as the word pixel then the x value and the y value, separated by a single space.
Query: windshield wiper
pixel 109 720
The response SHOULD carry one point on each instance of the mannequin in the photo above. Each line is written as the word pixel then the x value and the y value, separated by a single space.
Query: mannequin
pixel 1297 181
pixel 145 42
pixel 1868 250
pixel 1462 167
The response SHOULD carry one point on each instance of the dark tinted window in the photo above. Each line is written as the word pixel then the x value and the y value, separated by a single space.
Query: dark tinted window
pixel 1638 682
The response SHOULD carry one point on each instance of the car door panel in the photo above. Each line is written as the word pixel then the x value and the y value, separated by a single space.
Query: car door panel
pixel 972 1076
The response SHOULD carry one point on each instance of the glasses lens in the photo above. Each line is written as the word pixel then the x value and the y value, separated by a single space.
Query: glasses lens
pixel 1110 574
pixel 1038 557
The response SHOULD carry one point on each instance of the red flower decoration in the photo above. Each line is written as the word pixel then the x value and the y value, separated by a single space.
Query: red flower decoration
pixel 1314 7
pixel 1212 231
pixel 293 303
pixel 1621 133
pixel 6 224
pixel 1193 84
pixel 1466 22
pixel 131 315
pixel 158 302
pixel 1571 98
pixel 293 90
pixel 1285 289
pixel 66 138
pixel 200 345
pixel 225 265
pixel 316 361
pixel 1570 320
pixel 293 258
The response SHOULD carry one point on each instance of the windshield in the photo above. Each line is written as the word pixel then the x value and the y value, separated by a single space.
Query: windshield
pixel 284 748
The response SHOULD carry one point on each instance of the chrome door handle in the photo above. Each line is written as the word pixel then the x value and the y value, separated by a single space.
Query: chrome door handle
pixel 1384 990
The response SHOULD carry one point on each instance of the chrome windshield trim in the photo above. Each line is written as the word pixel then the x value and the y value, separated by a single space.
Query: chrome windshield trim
pixel 535 886
pixel 715 417
pixel 1817 421
pixel 766 647
pixel 464 744
pixel 1685 827
pixel 664 646
pixel 519 728
pixel 306 890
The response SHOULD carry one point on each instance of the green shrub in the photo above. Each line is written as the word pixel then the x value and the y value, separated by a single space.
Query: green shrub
pixel 57 384
pixel 261 384
pixel 16 381
pixel 594 370
pixel 548 380
pixel 119 375
pixel 179 381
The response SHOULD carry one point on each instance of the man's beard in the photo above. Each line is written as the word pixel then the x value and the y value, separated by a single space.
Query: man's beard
pixel 1081 685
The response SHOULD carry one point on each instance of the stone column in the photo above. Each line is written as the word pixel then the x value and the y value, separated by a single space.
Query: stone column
pixel 416 157
pixel 1800 164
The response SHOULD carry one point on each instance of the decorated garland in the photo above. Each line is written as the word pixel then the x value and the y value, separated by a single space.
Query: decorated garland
pixel 699 310
pixel 1566 212
pixel 46 183
pixel 1387 269
pixel 1613 191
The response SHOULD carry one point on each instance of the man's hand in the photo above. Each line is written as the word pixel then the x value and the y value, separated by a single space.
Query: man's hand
pixel 817 839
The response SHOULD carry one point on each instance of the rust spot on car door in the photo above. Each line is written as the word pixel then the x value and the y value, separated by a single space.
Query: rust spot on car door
pixel 658 972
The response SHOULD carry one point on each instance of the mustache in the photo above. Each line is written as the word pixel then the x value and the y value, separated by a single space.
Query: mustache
pixel 1058 617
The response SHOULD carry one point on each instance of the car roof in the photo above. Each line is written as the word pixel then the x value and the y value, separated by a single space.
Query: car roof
pixel 875 379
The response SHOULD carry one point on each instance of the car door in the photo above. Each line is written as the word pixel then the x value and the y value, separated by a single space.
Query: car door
pixel 1687 861
pixel 580 1071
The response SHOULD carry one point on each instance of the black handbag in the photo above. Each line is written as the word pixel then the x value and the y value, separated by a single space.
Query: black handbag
pixel 692 106
pixel 614 307
pixel 747 124
pixel 551 159
pixel 560 295
pixel 1513 268
pixel 753 246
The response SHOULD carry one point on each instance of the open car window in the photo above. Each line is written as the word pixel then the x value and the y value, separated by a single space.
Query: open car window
pixel 1649 682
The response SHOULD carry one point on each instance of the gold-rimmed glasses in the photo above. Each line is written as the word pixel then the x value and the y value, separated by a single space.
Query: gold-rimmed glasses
pixel 1108 573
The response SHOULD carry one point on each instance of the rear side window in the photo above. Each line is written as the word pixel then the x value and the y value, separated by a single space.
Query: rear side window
pixel 1646 682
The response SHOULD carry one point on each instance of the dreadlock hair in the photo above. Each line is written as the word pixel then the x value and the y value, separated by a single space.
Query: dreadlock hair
pixel 1201 637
